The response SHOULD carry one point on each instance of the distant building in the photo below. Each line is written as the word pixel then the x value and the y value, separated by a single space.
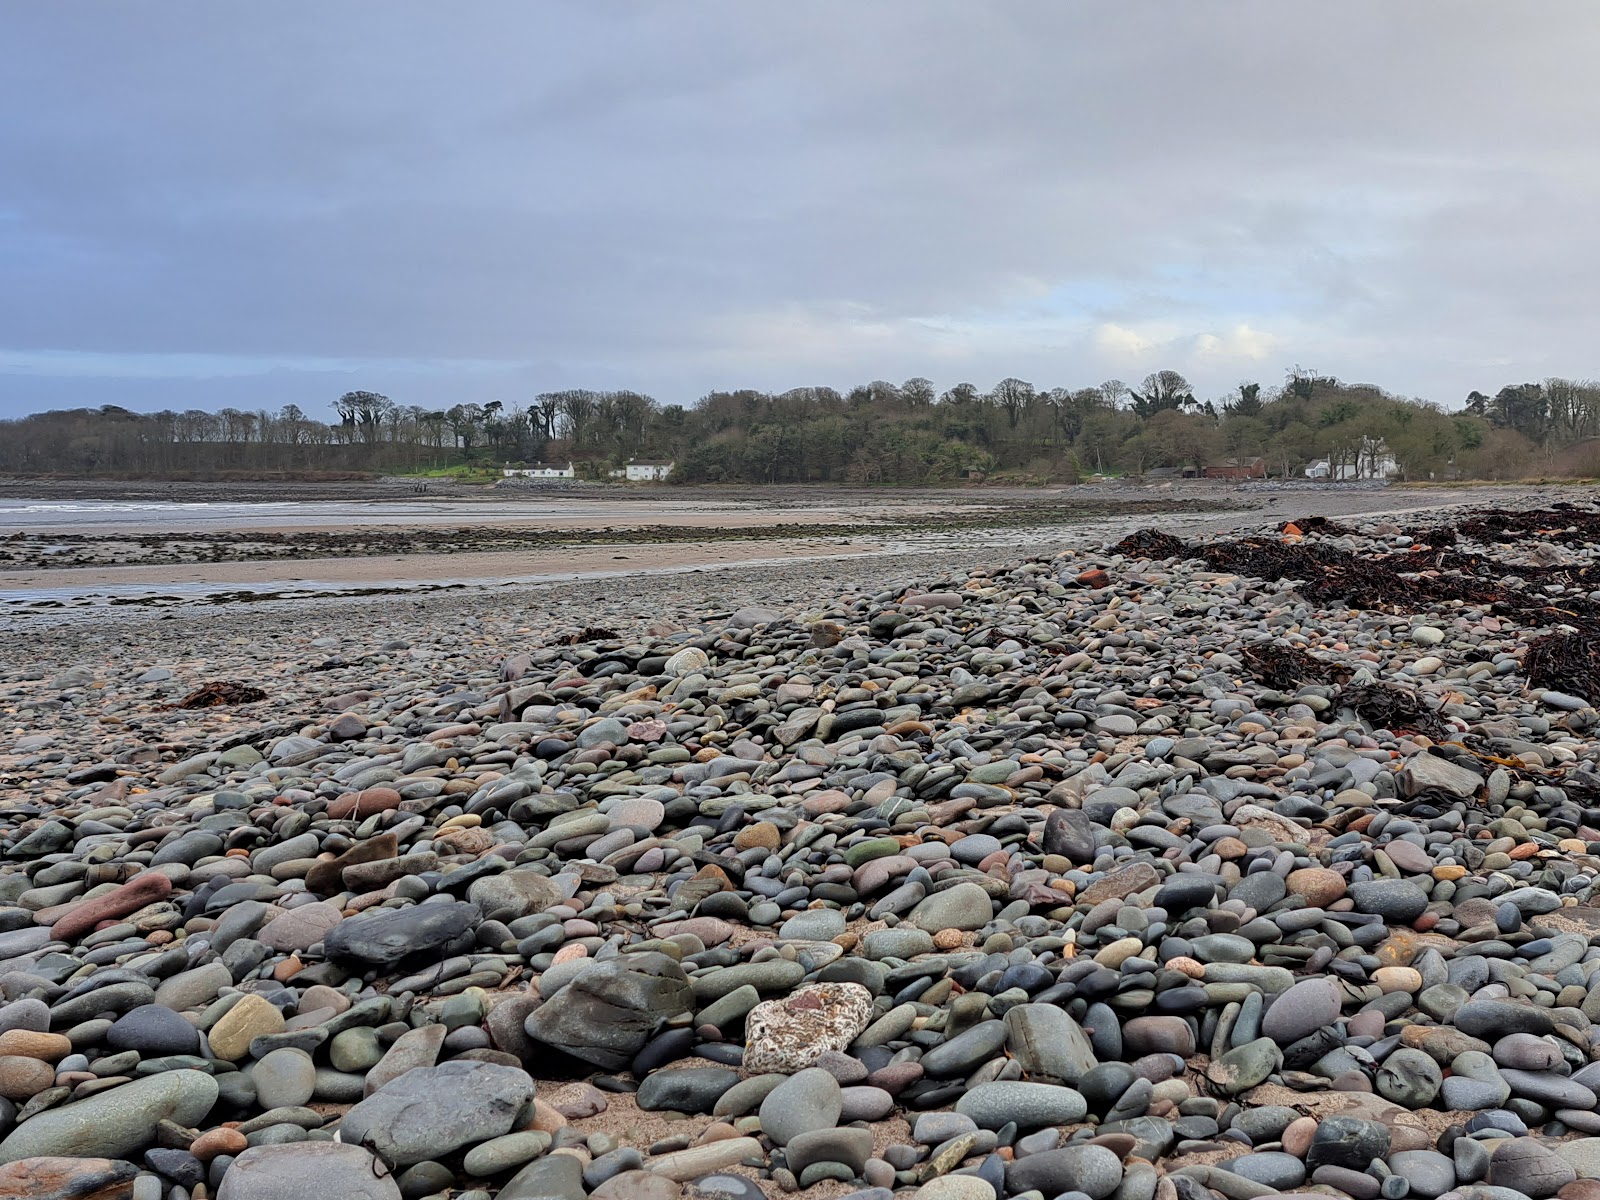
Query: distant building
pixel 1238 468
pixel 644 470
pixel 1159 474
pixel 539 471
pixel 1372 461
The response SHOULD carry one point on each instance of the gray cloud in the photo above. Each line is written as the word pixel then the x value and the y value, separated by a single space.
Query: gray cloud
pixel 206 204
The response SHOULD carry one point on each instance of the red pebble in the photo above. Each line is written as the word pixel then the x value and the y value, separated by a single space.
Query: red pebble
pixel 130 897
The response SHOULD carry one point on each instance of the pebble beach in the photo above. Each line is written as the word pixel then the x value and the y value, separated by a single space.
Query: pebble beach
pixel 1205 856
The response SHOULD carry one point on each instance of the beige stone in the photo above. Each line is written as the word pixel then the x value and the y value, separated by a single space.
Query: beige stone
pixel 247 1020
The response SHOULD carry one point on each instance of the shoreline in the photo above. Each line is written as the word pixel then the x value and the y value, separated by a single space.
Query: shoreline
pixel 425 591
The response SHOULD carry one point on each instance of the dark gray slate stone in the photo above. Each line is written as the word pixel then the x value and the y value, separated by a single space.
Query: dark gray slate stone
pixel 1492 1019
pixel 1047 1043
pixel 685 1089
pixel 1396 900
pixel 390 936
pixel 153 1030
pixel 607 1014
pixel 1347 1142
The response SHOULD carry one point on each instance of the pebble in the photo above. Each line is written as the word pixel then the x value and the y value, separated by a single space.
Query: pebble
pixel 807 1101
pixel 430 1111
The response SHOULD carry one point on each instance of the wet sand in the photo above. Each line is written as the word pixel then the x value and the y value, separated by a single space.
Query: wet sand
pixel 565 562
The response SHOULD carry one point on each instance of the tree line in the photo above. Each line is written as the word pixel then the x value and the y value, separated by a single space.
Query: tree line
pixel 878 432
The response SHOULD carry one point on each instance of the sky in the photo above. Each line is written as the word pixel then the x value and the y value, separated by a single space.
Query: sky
pixel 226 204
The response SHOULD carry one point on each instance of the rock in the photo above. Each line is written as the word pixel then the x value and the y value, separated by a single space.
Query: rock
pixel 67 1179
pixel 1524 1165
pixel 1123 882
pixel 1092 1170
pixel 687 662
pixel 803 1103
pixel 1430 773
pixel 1302 1010
pixel 1350 1142
pixel 688 1089
pixel 964 907
pixel 1583 1155
pixel 114 1123
pixel 1429 1173
pixel 153 1030
pixel 358 806
pixel 300 928
pixel 788 1035
pixel 1395 900
pixel 1410 1078
pixel 1243 1067
pixel 955 1187
pixel 1181 894
pixel 606 1014
pixel 284 1078
pixel 307 1169
pixel 430 1111
pixel 684 1165
pixel 1273 1169
pixel 1069 833
pixel 1318 886
pixel 506 1153
pixel 1495 1018
pixel 23 1078
pixel 139 891
pixel 1030 1105
pixel 513 894
pixel 412 1049
pixel 1158 1035
pixel 1047 1044
pixel 327 877
pixel 965 1052
pixel 852 1147
pixel 250 1018
pixel 554 1177
pixel 388 937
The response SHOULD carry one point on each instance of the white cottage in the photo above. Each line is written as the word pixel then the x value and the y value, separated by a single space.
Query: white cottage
pixel 644 470
pixel 538 471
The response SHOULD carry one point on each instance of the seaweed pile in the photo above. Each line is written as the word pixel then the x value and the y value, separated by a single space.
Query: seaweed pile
pixel 1428 572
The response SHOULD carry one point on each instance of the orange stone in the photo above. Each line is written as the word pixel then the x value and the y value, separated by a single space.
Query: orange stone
pixel 358 806
pixel 547 1117
pixel 47 1047
pixel 220 1140
pixel 1318 886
